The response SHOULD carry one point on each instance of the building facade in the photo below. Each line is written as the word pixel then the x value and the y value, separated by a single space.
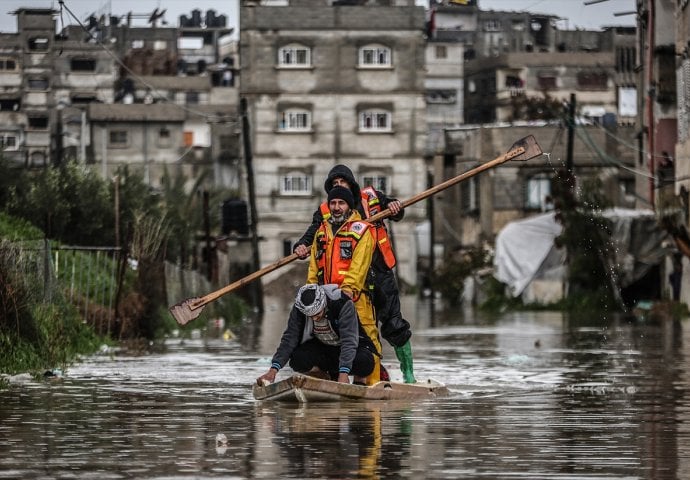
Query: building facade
pixel 333 83
pixel 108 93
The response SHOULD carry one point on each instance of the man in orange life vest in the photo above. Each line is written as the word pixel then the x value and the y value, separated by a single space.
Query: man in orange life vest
pixel 341 254
pixel 394 328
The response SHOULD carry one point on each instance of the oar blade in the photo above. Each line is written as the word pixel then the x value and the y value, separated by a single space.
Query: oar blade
pixel 532 148
pixel 183 312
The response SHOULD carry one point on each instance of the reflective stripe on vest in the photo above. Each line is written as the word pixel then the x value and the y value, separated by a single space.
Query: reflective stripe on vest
pixel 325 211
pixel 333 270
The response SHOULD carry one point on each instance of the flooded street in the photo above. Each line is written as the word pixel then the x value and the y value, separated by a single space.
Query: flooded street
pixel 535 395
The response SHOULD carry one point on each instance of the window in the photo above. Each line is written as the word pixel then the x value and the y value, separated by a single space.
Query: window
pixel 375 121
pixel 547 81
pixel 39 44
pixel 441 96
pixel 294 56
pixel 441 51
pixel 160 45
pixel 295 120
pixel 8 142
pixel 164 137
pixel 83 65
pixel 192 98
pixel 38 122
pixel 37 83
pixel 83 98
pixel 8 64
pixel 375 56
pixel 118 138
pixel 136 44
pixel 295 183
pixel 592 80
pixel 492 26
pixel 379 182
pixel 513 81
pixel 10 104
pixel 538 192
pixel 469 196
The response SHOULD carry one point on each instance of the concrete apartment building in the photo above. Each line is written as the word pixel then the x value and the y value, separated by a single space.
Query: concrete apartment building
pixel 154 98
pixel 331 82
pixel 27 102
pixel 509 57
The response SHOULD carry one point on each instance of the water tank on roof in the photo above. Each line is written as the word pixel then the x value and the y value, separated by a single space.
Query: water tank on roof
pixel 211 19
pixel 196 18
pixel 234 217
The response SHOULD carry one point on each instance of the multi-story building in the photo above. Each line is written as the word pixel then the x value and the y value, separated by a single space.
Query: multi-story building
pixel 27 106
pixel 110 93
pixel 333 82
pixel 516 63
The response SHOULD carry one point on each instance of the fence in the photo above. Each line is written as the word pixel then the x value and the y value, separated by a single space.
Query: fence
pixel 86 277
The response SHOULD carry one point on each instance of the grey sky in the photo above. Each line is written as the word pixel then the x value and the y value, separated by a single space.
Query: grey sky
pixel 577 14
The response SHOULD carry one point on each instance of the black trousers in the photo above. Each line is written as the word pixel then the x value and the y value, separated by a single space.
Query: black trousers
pixel 313 353
pixel 394 328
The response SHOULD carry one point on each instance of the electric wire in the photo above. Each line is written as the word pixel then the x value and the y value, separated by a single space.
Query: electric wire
pixel 208 117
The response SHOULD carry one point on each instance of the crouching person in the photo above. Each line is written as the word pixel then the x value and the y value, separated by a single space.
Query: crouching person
pixel 323 338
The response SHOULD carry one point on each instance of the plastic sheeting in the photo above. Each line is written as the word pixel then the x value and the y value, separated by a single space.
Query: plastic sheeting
pixel 521 248
pixel 525 248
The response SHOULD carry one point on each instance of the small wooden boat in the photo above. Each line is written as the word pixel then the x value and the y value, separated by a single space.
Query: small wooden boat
pixel 302 388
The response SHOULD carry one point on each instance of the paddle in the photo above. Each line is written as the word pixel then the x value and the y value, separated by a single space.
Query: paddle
pixel 191 308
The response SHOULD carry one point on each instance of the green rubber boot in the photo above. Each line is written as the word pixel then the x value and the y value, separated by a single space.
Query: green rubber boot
pixel 404 355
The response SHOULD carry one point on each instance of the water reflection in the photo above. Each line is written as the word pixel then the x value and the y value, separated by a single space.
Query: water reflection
pixel 333 440
pixel 534 395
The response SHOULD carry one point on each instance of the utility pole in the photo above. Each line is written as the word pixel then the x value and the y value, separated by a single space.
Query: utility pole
pixel 257 290
pixel 571 134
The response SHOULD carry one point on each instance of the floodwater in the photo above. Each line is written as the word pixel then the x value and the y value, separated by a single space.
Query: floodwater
pixel 535 395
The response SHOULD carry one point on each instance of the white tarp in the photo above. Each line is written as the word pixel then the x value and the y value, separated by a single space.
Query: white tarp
pixel 525 247
pixel 521 248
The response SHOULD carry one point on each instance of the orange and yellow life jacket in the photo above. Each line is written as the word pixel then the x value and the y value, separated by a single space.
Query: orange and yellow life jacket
pixel 334 265
pixel 371 205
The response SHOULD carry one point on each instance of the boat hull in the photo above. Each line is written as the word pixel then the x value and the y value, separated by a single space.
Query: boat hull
pixel 302 389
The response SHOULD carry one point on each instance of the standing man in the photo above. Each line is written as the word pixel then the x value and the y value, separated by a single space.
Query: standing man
pixel 323 336
pixel 341 254
pixel 386 297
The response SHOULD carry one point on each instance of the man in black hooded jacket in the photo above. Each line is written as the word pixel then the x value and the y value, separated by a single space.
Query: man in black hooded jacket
pixel 386 297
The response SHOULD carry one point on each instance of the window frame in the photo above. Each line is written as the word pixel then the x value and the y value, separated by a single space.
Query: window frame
pixel 35 122
pixel 38 44
pixel 82 65
pixel 378 180
pixel 32 79
pixel 288 56
pixel 5 60
pixel 288 120
pixel 116 143
pixel 592 80
pixel 304 184
pixel 440 96
pixel 4 137
pixel 538 185
pixel 375 114
pixel 374 60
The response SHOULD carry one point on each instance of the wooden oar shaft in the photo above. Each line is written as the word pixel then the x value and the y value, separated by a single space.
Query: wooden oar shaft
pixel 449 183
pixel 513 153
pixel 242 281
